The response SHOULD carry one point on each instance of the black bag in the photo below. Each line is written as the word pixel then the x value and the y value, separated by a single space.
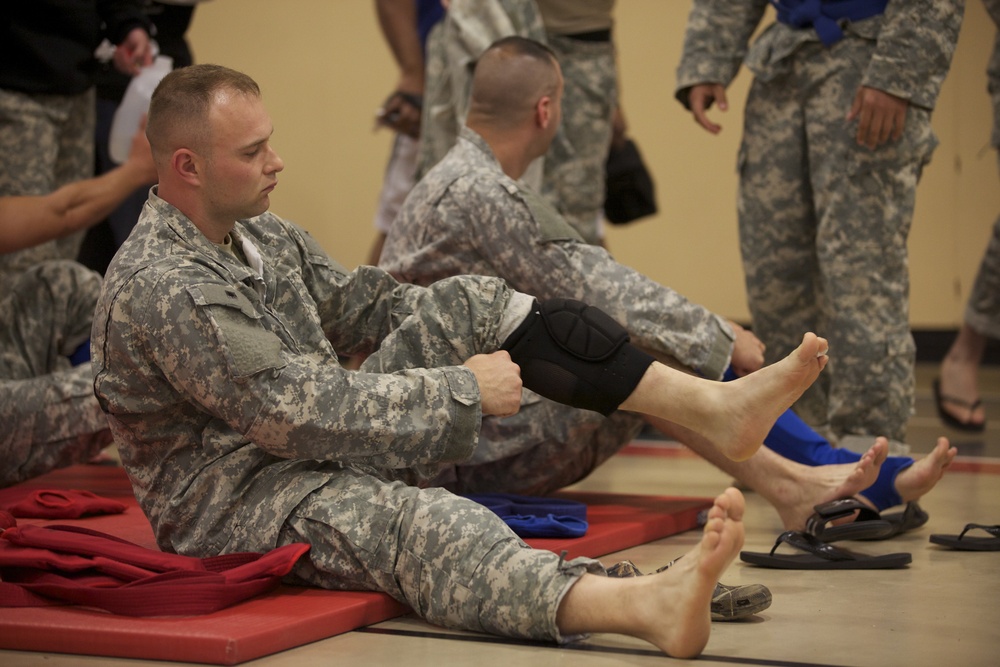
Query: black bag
pixel 630 193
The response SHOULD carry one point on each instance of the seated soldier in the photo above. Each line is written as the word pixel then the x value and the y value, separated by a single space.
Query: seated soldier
pixel 47 405
pixel 470 214
pixel 215 348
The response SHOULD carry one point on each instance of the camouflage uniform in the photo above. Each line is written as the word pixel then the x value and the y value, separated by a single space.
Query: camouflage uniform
pixel 47 407
pixel 47 100
pixel 467 216
pixel 241 432
pixel 516 234
pixel 453 46
pixel 571 175
pixel 48 411
pixel 823 221
pixel 46 141
pixel 982 312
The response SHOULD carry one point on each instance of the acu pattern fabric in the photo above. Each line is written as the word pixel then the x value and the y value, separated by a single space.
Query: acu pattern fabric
pixel 467 216
pixel 47 407
pixel 47 100
pixel 982 312
pixel 240 430
pixel 46 141
pixel 823 221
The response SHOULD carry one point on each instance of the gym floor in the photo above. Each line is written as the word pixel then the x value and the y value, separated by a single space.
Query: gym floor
pixel 941 610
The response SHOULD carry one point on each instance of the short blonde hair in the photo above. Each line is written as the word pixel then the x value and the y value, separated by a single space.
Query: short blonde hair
pixel 182 101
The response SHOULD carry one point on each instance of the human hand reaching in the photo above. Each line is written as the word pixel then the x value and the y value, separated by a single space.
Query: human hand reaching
pixel 748 351
pixel 499 381
pixel 134 53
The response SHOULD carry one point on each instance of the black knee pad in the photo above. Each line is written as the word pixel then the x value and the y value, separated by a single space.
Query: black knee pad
pixel 577 355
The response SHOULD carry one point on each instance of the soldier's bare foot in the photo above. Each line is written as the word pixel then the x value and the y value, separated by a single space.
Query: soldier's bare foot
pixel 915 481
pixel 734 416
pixel 674 609
pixel 752 403
pixel 794 497
pixel 670 609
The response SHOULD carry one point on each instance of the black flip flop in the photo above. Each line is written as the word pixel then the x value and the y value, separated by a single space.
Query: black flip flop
pixel 950 419
pixel 963 543
pixel 867 526
pixel 821 556
pixel 912 517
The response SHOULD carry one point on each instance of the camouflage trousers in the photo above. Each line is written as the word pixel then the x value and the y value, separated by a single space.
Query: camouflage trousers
pixel 545 447
pixel 451 560
pixel 46 141
pixel 982 312
pixel 823 228
pixel 48 410
pixel 573 178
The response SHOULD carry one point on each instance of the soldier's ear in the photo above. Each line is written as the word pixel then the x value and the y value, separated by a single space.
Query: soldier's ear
pixel 187 165
pixel 543 111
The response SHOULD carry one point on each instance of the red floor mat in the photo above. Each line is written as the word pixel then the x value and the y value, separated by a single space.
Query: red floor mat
pixel 289 616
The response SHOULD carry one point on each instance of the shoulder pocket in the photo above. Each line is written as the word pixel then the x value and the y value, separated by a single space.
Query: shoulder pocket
pixel 551 225
pixel 247 344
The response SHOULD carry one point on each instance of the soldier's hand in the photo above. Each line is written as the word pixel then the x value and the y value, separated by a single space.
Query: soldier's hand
pixel 401 112
pixel 880 116
pixel 499 381
pixel 134 53
pixel 701 97
pixel 748 351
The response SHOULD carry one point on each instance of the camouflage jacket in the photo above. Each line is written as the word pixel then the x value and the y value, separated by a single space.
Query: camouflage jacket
pixel 914 41
pixel 223 389
pixel 467 216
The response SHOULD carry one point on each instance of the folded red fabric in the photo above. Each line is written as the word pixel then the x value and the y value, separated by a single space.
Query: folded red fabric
pixel 64 504
pixel 47 565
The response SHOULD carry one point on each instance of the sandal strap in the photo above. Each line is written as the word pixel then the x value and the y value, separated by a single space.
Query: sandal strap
pixel 838 509
pixel 992 530
pixel 961 402
pixel 810 544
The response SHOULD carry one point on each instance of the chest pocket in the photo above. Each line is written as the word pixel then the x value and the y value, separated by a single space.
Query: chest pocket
pixel 551 225
pixel 247 344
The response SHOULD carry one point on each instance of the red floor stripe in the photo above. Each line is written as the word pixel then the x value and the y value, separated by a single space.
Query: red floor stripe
pixel 971 464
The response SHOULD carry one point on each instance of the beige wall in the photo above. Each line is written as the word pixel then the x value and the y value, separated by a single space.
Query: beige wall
pixel 324 69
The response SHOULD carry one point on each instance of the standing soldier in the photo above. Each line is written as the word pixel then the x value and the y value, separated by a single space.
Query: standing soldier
pixel 837 131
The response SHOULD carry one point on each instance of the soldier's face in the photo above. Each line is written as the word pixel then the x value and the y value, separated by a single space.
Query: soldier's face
pixel 242 168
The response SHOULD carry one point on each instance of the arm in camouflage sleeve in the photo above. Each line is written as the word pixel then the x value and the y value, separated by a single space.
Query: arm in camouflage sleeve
pixel 526 242
pixel 202 346
pixel 658 319
pixel 915 46
pixel 359 308
pixel 715 42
